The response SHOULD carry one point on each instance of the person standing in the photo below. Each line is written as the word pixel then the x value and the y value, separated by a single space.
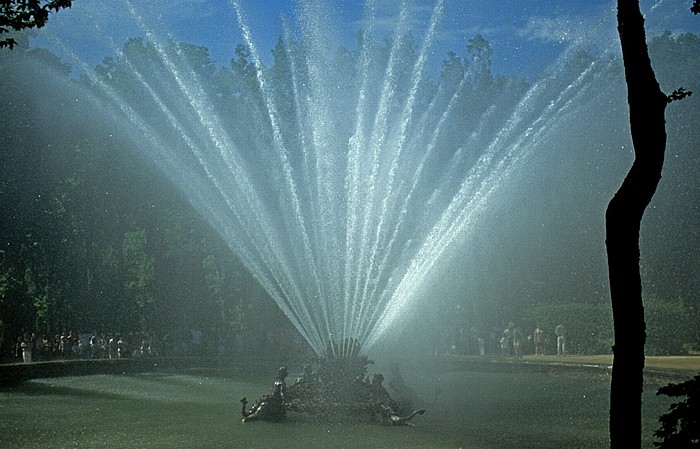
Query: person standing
pixel 19 349
pixel 560 332
pixel 517 342
pixel 121 348
pixel 509 335
pixel 26 351
pixel 538 338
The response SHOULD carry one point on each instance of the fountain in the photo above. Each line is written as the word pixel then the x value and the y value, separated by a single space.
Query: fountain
pixel 345 181
pixel 339 390
pixel 342 179
pixel 339 179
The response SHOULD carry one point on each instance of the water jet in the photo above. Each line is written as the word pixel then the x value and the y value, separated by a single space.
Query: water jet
pixel 337 179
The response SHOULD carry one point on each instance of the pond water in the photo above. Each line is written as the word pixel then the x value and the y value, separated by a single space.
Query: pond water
pixel 167 410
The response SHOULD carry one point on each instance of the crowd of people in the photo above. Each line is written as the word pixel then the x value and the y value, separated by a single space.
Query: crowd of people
pixel 37 347
pixel 512 342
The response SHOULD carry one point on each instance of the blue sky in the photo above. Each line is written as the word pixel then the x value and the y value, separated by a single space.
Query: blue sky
pixel 526 35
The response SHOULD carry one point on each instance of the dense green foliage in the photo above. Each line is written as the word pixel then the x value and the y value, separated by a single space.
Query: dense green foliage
pixel 671 327
pixel 93 237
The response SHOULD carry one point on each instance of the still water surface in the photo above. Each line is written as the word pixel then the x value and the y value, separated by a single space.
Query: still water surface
pixel 200 410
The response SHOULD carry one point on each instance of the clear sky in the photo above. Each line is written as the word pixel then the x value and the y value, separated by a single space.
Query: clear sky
pixel 526 35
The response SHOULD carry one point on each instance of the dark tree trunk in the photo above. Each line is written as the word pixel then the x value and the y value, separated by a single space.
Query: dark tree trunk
pixel 647 105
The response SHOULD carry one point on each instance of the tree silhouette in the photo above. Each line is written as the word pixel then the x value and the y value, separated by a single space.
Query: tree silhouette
pixel 647 106
pixel 680 427
pixel 17 15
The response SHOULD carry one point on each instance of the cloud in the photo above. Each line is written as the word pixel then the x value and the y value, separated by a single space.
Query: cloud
pixel 595 32
pixel 385 17
pixel 552 29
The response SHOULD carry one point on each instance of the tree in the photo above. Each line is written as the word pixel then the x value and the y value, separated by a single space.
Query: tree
pixel 647 106
pixel 17 15
pixel 680 427
pixel 139 275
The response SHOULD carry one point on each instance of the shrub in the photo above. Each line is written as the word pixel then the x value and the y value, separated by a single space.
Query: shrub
pixel 670 328
pixel 680 427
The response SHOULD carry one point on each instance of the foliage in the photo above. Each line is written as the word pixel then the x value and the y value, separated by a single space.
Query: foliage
pixel 94 237
pixel 670 327
pixel 7 280
pixel 16 15
pixel 588 326
pixel 680 427
pixel 679 94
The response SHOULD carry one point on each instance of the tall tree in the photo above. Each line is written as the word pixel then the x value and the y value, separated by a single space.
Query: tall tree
pixel 17 15
pixel 647 106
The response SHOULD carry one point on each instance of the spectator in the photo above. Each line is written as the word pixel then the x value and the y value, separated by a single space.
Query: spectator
pixel 121 348
pixel 538 337
pixel 26 351
pixel 560 332
pixel 517 342
pixel 18 348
